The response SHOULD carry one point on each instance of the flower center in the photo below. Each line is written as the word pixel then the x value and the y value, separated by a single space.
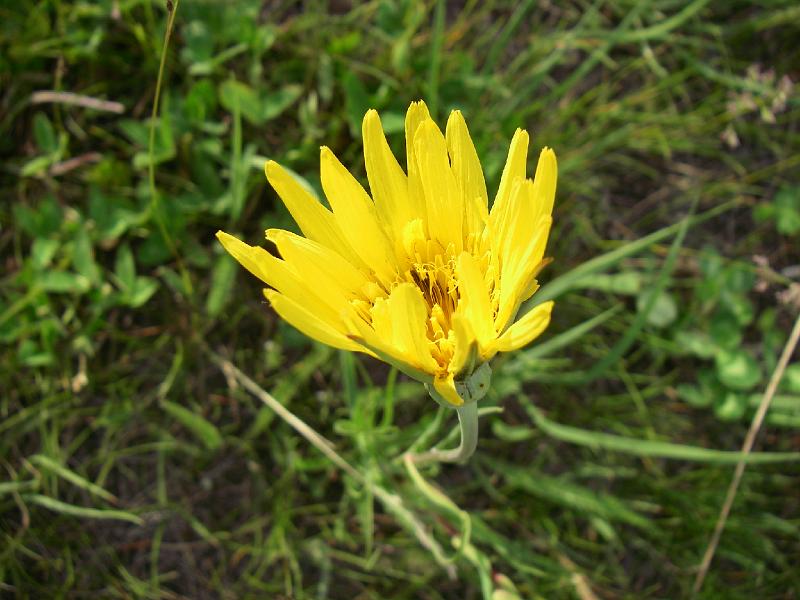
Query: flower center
pixel 438 286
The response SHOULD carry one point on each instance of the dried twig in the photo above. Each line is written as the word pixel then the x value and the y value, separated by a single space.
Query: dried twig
pixel 392 502
pixel 750 439
pixel 45 97
pixel 65 166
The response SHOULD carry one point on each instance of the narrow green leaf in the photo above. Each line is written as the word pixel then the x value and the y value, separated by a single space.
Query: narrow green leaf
pixel 48 464
pixel 565 493
pixel 562 339
pixel 607 441
pixel 205 431
pixel 80 511
pixel 606 261
pixel 9 487
pixel 627 283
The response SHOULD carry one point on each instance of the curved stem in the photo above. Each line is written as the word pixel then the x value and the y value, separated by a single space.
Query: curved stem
pixel 468 422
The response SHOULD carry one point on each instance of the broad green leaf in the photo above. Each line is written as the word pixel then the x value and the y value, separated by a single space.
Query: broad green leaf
pixel 725 330
pixel 693 395
pixel 112 216
pixel 44 134
pixel 62 281
pixel 357 101
pixel 238 97
pixel 42 252
pixel 791 378
pixel 125 268
pixel 223 277
pixel 142 291
pixel 255 107
pixel 41 220
pixel 730 406
pixel 696 342
pixel 737 369
pixel 739 306
pixel 738 278
pixel 83 256
pixel 664 310
pixel 36 166
pixel 787 210
pixel 274 103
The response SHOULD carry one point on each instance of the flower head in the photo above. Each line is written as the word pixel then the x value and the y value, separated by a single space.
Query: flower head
pixel 421 274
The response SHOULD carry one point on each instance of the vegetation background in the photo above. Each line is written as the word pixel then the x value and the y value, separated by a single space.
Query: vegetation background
pixel 135 464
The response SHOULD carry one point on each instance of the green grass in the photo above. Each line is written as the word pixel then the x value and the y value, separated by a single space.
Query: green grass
pixel 132 465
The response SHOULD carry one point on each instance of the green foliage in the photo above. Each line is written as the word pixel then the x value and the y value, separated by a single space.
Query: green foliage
pixel 718 322
pixel 134 466
pixel 784 210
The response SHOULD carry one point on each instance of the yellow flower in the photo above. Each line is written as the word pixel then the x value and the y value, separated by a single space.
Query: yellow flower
pixel 422 274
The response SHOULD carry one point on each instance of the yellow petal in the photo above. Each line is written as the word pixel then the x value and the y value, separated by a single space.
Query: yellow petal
pixel 513 171
pixel 381 313
pixel 528 328
pixel 355 213
pixel 468 173
pixel 416 115
pixel 464 343
pixel 530 213
pixel 443 201
pixel 364 335
pixel 447 389
pixel 399 328
pixel 387 181
pixel 410 317
pixel 331 276
pixel 515 231
pixel 518 270
pixel 315 221
pixel 520 237
pixel 328 303
pixel 269 269
pixel 545 183
pixel 253 258
pixel 306 322
pixel 474 301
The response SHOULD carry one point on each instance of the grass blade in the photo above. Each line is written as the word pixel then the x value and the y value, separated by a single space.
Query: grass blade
pixel 81 511
pixel 601 263
pixel 205 431
pixel 616 443
pixel 48 464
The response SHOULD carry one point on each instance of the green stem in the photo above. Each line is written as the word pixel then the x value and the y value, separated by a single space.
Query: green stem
pixel 468 422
